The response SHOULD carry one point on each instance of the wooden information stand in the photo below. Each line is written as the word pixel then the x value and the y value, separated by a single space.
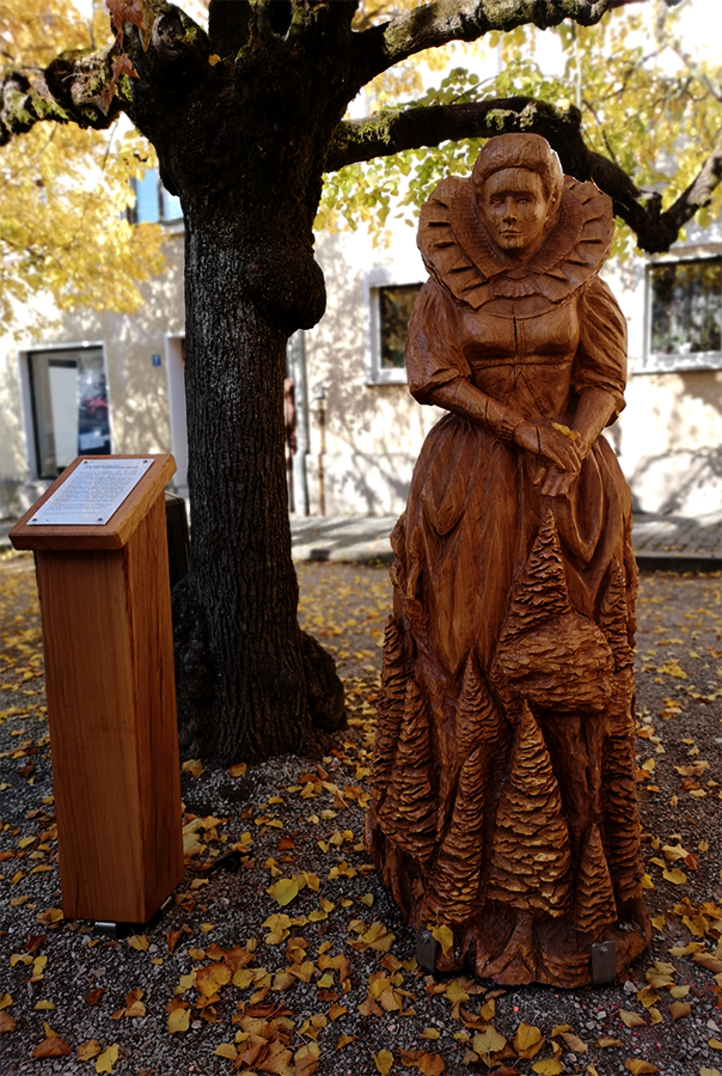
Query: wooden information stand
pixel 105 604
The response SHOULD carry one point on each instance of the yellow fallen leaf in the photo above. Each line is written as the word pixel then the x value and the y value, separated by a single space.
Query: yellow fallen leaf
pixel 456 993
pixel 707 960
pixel 647 882
pixel 631 1019
pixel 678 1009
pixel 211 978
pixel 226 1049
pixel 88 1050
pixel 178 1020
pixel 709 1072
pixel 107 1059
pixel 7 1023
pixel 284 891
pixel 430 1033
pixel 50 917
pixel 676 876
pixel 658 922
pixel 574 1043
pixel 384 1059
pixel 488 1042
pixel 607 1041
pixel 648 996
pixel 139 942
pixel 430 1065
pixel 51 1046
pixel 305 1061
pixel 715 1044
pixel 528 1040
pixel 638 1067
pixel 444 936
pixel 238 770
pixel 552 1066
pixel 44 1006
pixel 194 766
pixel 5 1000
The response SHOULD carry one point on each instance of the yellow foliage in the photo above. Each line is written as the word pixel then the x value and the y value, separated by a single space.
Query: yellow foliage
pixel 64 192
pixel 636 97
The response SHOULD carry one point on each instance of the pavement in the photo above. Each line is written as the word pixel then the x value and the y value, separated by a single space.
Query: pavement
pixel 661 542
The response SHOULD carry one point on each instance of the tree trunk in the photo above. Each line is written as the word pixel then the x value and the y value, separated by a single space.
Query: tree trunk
pixel 250 683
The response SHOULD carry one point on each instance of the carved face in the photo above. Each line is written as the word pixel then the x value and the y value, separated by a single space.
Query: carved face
pixel 515 209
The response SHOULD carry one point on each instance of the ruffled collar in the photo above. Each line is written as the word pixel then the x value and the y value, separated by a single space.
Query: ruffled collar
pixel 456 250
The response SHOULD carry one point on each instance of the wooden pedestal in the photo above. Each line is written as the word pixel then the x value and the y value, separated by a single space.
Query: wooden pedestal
pixel 105 604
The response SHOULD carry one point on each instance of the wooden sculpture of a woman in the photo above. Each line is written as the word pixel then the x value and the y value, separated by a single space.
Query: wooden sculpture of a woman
pixel 504 797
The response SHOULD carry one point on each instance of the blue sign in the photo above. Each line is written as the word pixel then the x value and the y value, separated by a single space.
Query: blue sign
pixel 156 360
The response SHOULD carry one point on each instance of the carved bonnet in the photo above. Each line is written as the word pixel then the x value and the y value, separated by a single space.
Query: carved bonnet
pixel 458 253
pixel 520 151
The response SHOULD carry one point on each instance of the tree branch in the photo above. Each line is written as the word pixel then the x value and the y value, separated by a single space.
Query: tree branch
pixel 438 23
pixel 69 90
pixel 387 133
pixel 90 88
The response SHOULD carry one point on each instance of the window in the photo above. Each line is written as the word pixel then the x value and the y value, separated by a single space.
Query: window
pixel 685 315
pixel 153 203
pixel 391 308
pixel 69 404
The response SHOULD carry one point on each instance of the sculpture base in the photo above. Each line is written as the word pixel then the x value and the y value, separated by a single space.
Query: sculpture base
pixel 512 946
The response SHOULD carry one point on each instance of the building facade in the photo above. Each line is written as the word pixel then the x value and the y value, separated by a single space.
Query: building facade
pixel 101 382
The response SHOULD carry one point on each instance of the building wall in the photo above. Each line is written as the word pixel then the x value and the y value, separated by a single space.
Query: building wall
pixel 137 389
pixel 373 431
pixel 669 439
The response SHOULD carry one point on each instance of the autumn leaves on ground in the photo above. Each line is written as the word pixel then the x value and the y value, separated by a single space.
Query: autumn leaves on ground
pixel 282 953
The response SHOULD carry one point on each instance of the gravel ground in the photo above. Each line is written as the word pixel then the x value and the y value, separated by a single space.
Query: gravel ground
pixel 328 982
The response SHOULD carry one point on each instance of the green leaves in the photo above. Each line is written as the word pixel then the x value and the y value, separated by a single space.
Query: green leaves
pixel 635 94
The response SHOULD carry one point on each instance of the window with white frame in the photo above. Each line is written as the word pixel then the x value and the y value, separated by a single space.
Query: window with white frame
pixel 391 306
pixel 69 414
pixel 685 315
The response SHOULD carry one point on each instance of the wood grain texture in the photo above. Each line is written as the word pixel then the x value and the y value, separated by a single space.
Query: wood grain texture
pixel 111 706
pixel 504 797
pixel 112 535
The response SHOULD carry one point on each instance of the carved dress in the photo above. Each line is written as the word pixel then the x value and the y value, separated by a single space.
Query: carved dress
pixel 504 776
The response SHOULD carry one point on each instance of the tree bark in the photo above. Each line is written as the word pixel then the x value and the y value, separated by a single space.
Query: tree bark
pixel 250 684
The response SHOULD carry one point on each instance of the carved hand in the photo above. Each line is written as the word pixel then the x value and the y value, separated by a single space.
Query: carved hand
pixel 564 453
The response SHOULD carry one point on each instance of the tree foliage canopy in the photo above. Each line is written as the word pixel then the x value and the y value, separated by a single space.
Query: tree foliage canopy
pixel 614 112
pixel 64 191
pixel 646 107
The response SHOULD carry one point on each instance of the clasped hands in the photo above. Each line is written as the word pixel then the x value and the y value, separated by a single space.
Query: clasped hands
pixel 563 454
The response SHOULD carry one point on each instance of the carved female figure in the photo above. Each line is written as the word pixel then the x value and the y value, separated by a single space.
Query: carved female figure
pixel 504 795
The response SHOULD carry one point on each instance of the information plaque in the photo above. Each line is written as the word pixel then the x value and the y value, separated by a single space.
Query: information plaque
pixel 99 537
pixel 92 493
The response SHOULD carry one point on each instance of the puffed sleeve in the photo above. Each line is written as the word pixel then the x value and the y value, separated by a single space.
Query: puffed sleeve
pixel 601 359
pixel 433 356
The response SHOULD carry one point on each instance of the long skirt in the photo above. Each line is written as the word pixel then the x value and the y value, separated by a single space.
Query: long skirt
pixel 504 797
